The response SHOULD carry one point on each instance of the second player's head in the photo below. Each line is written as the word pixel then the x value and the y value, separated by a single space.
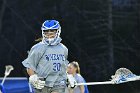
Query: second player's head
pixel 51 30
pixel 73 68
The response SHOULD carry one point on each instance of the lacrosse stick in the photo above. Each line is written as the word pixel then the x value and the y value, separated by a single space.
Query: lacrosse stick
pixel 122 75
pixel 9 68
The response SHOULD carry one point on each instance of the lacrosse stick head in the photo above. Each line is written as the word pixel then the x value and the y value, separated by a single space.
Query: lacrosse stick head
pixel 8 69
pixel 121 75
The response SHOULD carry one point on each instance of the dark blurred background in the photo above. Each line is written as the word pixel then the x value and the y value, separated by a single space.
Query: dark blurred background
pixel 102 35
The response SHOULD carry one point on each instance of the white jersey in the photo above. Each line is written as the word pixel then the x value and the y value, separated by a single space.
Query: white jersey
pixel 49 62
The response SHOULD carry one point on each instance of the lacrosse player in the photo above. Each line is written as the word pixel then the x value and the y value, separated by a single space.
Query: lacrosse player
pixel 47 61
pixel 74 69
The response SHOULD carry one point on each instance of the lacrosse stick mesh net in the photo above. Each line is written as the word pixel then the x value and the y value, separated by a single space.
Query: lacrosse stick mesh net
pixel 122 75
pixel 9 68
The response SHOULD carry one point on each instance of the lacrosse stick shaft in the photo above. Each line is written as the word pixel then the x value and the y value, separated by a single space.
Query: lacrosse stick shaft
pixel 109 82
pixel 119 72
pixel 95 83
pixel 3 80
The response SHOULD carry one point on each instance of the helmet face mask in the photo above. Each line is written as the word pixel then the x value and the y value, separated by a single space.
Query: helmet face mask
pixel 51 31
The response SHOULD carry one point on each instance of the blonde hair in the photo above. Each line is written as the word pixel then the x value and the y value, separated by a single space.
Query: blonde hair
pixel 76 65
pixel 39 39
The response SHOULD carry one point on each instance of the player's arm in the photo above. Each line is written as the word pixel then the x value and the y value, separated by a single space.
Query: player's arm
pixel 81 80
pixel 82 89
pixel 31 63
pixel 30 72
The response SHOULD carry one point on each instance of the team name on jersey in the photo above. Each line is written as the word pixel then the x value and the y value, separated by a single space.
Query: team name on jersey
pixel 52 57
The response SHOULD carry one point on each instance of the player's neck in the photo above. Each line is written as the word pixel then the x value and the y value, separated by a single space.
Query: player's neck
pixel 74 74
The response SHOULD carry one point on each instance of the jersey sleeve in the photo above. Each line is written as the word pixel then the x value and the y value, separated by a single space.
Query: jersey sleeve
pixel 80 79
pixel 32 60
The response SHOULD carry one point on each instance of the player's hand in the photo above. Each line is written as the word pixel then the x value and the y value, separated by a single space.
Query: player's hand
pixel 34 80
pixel 71 81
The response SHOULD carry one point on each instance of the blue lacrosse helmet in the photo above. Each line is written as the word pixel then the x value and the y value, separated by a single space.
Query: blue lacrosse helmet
pixel 51 25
